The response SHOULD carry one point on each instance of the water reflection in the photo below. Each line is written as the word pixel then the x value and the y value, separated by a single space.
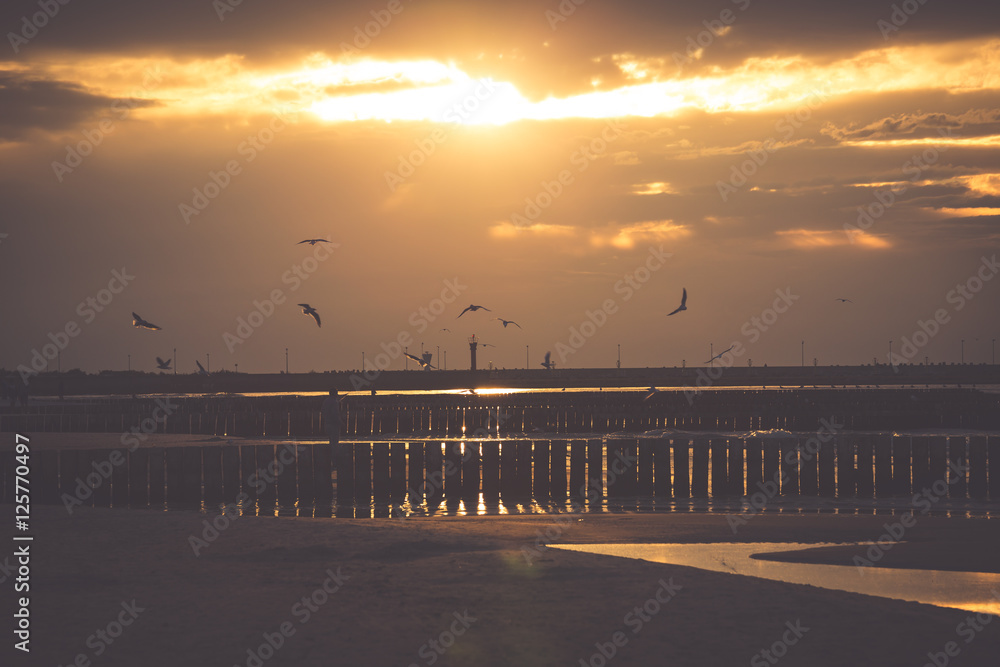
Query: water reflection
pixel 971 591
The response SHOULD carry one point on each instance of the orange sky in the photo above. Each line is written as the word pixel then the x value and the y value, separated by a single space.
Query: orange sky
pixel 572 172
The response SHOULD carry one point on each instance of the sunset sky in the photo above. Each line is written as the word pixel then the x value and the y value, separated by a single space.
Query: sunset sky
pixel 544 160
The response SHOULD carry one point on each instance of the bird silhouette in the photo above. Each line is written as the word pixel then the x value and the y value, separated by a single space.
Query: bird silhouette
pixel 425 361
pixel 844 300
pixel 548 363
pixel 163 365
pixel 683 306
pixel 506 322
pixel 720 354
pixel 653 391
pixel 473 308
pixel 313 241
pixel 140 323
pixel 309 310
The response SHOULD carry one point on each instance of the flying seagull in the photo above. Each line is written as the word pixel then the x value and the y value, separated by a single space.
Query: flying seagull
pixel 720 354
pixel 425 362
pixel 140 323
pixel 683 306
pixel 653 391
pixel 309 310
pixel 201 369
pixel 448 330
pixel 473 308
pixel 506 322
pixel 548 363
pixel 487 344
pixel 163 365
pixel 844 300
pixel 313 241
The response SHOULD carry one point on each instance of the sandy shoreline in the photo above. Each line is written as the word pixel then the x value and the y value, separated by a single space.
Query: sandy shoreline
pixel 404 581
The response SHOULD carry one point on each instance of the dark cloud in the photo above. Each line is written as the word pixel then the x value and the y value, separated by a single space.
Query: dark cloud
pixel 974 122
pixel 28 103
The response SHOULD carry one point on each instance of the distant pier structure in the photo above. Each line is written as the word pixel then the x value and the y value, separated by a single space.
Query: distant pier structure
pixel 473 344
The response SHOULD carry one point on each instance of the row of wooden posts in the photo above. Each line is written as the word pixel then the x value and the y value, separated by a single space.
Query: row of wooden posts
pixel 518 470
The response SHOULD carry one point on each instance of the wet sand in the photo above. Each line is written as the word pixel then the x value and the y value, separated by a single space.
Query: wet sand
pixel 404 581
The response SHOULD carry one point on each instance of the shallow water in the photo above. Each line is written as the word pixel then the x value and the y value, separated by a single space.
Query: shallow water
pixel 971 591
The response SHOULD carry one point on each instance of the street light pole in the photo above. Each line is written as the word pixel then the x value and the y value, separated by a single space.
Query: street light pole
pixel 619 355
pixel 286 361
pixel 526 364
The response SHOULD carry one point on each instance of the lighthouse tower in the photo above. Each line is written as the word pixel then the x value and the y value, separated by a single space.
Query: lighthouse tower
pixel 473 344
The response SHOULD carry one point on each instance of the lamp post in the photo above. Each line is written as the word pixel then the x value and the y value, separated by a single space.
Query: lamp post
pixel 286 361
pixel 890 353
pixel 619 355
pixel 526 364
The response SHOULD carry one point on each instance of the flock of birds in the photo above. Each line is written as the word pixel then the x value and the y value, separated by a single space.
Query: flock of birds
pixel 425 360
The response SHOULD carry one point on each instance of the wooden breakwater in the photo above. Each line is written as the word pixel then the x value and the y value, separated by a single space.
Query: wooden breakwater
pixel 586 471
pixel 559 413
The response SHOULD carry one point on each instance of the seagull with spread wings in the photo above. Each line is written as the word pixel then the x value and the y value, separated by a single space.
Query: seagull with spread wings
pixel 720 354
pixel 548 363
pixel 313 241
pixel 844 300
pixel 683 306
pixel 473 308
pixel 163 365
pixel 140 323
pixel 309 310
pixel 425 361
pixel 506 322
pixel 201 369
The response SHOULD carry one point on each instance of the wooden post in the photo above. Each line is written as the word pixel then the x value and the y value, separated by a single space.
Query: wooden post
pixel 771 453
pixel 453 470
pixel 557 482
pixel 397 471
pixel 755 463
pixel 682 467
pixel 846 476
pixel 415 472
pixel 265 468
pixel 490 453
pixel 344 454
pixel 434 473
pixel 578 470
pixel 921 463
pixel 808 467
pixel 864 473
pixel 286 462
pixel 699 468
pixel 306 476
pixel 323 466
pixel 901 465
pixel 470 475
pixel 362 473
pixel 827 469
pixel 957 468
pixel 645 489
pixel 882 446
pixel 540 458
pixel 595 472
pixel 522 473
pixel 157 477
pixel 663 486
pixel 508 469
pixel 720 468
pixel 789 453
pixel 737 484
pixel 380 471
pixel 614 470
pixel 978 484
pixel 191 469
pixel 211 458
pixel 231 483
